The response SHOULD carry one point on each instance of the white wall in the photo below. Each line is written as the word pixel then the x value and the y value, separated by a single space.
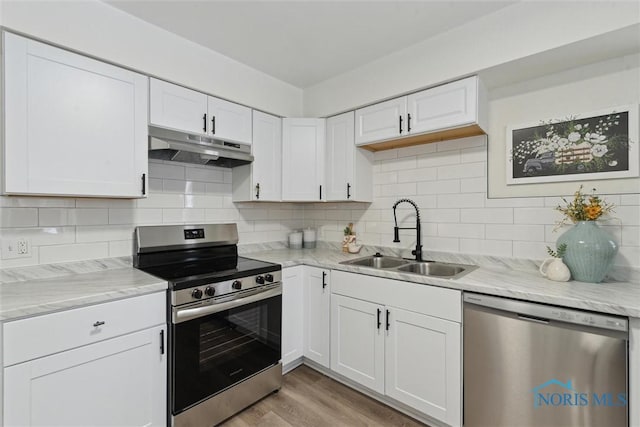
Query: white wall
pixel 97 29
pixel 509 34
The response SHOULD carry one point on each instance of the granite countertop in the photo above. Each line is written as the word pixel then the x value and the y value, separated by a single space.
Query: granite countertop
pixel 42 289
pixel 29 291
pixel 621 298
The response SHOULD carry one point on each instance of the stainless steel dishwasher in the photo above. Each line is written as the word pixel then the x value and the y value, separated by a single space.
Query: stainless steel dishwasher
pixel 528 364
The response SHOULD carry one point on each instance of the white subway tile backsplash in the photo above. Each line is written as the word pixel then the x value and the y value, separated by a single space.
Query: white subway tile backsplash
pixel 500 248
pixel 18 217
pixel 120 248
pixel 465 170
pixel 53 217
pixel 469 200
pixel 531 233
pixel 450 186
pixel 84 216
pixel 530 250
pixel 179 216
pixel 203 201
pixel 162 200
pixel 36 202
pixel 166 171
pixel 73 252
pixel 473 185
pixel 205 174
pixel 104 233
pixel 472 231
pixel 398 164
pixel 446 179
pixel 536 216
pixel 487 216
pixel 183 187
pixel 135 216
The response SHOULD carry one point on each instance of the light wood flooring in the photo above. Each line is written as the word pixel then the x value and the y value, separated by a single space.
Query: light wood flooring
pixel 309 398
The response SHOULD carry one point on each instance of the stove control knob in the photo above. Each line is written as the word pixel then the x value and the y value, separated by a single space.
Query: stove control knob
pixel 260 280
pixel 268 277
pixel 210 291
pixel 237 284
pixel 197 293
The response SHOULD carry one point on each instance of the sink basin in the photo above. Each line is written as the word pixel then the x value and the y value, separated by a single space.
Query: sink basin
pixel 377 262
pixel 422 268
pixel 432 269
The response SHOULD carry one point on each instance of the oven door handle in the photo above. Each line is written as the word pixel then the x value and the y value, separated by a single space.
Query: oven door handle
pixel 184 314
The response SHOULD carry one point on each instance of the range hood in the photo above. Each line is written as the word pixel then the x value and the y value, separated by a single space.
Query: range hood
pixel 166 144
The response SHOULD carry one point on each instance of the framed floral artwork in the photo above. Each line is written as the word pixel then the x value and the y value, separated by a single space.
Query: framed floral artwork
pixel 596 145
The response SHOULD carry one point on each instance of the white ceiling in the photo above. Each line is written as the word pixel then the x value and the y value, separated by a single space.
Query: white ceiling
pixel 306 42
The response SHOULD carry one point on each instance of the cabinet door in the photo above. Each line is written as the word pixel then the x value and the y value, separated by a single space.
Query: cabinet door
pixel 176 107
pixel 292 314
pixel 229 121
pixel 381 121
pixel 73 125
pixel 267 150
pixel 302 159
pixel 340 162
pixel 117 382
pixel 317 308
pixel 357 341
pixel 447 106
pixel 423 363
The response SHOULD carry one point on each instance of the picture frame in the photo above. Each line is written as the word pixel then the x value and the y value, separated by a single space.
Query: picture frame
pixel 598 145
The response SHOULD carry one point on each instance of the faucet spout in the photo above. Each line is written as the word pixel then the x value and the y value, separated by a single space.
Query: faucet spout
pixel 417 252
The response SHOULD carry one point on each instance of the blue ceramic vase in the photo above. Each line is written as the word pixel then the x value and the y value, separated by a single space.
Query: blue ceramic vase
pixel 590 251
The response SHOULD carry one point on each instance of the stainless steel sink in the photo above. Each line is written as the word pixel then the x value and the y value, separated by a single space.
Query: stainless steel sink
pixel 432 269
pixel 422 268
pixel 383 262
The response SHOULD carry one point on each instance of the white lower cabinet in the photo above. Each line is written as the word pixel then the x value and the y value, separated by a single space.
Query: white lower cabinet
pixel 111 381
pixel 317 293
pixel 292 314
pixel 357 341
pixel 399 339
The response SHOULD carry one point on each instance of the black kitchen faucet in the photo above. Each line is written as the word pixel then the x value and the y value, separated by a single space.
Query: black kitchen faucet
pixel 396 234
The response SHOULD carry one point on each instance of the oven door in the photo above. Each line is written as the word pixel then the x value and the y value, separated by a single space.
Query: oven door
pixel 216 345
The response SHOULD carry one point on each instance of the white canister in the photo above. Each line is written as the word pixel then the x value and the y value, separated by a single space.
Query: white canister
pixel 309 238
pixel 295 240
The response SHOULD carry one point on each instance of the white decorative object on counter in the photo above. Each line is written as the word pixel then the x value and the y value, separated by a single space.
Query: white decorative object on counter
pixel 295 240
pixel 555 269
pixel 309 238
pixel 354 248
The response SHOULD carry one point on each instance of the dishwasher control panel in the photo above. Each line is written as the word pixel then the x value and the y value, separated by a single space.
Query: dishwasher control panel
pixel 546 313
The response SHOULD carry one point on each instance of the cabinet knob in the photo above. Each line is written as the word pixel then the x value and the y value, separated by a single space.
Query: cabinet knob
pixel 98 323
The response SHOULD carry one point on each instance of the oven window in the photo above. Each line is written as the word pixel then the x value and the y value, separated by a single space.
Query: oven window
pixel 214 352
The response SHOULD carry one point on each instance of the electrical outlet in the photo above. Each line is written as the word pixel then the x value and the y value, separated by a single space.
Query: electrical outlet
pixel 15 248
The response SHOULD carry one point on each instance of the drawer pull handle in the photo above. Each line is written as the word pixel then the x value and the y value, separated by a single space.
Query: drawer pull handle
pixel 98 323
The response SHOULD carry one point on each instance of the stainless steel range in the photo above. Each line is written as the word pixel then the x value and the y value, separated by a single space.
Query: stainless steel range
pixel 224 315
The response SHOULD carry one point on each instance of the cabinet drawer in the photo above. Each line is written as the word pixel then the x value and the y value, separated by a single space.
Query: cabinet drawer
pixel 39 336
pixel 426 299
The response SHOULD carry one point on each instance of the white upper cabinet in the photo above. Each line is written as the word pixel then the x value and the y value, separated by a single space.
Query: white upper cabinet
pixel 73 126
pixel 349 170
pixel 452 110
pixel 262 179
pixel 384 120
pixel 442 107
pixel 229 121
pixel 179 108
pixel 303 159
pixel 176 107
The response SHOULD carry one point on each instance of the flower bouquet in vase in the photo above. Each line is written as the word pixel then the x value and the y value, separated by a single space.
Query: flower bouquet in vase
pixel 590 250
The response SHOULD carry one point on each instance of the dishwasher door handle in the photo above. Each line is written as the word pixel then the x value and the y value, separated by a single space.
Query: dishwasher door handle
pixel 533 319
